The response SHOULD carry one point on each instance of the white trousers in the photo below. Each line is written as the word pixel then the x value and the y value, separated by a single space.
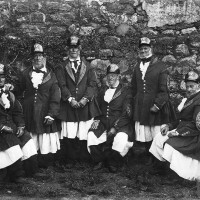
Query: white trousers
pixel 120 143
pixel 186 167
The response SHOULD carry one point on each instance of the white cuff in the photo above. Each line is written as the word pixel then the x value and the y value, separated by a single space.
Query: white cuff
pixel 48 117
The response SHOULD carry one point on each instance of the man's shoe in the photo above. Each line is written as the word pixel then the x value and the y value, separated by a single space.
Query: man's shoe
pixel 112 169
pixel 98 166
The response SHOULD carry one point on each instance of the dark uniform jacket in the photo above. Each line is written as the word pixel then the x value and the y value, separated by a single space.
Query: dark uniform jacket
pixel 77 85
pixel 188 141
pixel 12 117
pixel 152 90
pixel 117 113
pixel 41 102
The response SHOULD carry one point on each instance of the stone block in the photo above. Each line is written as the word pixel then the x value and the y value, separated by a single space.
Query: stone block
pixel 122 29
pixel 169 59
pixel 112 42
pixel 168 32
pixel 103 30
pixel 21 8
pixel 189 30
pixel 123 65
pixel 182 50
pixel 53 7
pixel 31 30
pixel 56 30
pixel 62 18
pixel 37 17
pixel 86 30
pixel 105 53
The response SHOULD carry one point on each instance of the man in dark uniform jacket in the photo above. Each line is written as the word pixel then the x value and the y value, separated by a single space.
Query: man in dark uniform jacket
pixel 152 107
pixel 78 84
pixel 15 144
pixel 181 145
pixel 110 136
pixel 41 104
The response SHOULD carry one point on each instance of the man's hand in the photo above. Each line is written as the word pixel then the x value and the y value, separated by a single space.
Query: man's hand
pixel 154 109
pixel 83 102
pixel 111 132
pixel 172 133
pixel 7 129
pixel 164 129
pixel 20 131
pixel 95 124
pixel 48 120
pixel 8 87
pixel 74 103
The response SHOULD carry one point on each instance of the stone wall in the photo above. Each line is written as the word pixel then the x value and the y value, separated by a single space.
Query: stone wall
pixel 109 30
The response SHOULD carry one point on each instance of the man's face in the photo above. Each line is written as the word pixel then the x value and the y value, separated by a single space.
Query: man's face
pixel 145 51
pixel 112 79
pixel 2 80
pixel 38 60
pixel 191 88
pixel 74 52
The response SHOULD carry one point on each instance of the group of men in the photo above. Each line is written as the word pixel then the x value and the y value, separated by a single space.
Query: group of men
pixel 64 111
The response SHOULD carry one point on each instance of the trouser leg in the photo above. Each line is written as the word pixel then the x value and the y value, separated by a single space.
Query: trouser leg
pixel 15 170
pixel 30 165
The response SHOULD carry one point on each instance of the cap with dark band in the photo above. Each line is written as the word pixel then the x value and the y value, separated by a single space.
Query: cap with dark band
pixel 113 69
pixel 73 41
pixel 144 41
pixel 192 76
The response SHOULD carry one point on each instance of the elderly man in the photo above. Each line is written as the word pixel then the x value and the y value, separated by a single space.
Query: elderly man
pixel 15 144
pixel 152 106
pixel 78 85
pixel 179 143
pixel 110 136
pixel 41 104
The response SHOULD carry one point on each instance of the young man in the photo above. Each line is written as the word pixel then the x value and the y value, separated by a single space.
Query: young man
pixel 15 143
pixel 109 138
pixel 78 85
pixel 152 106
pixel 179 143
pixel 41 104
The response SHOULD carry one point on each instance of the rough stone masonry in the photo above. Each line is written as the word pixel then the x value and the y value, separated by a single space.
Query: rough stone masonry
pixel 109 30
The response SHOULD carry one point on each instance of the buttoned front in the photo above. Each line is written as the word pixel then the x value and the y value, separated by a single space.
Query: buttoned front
pixel 82 84
pixel 149 90
pixel 114 113
pixel 40 102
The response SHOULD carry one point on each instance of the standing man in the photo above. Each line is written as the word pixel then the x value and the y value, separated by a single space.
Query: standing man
pixel 41 104
pixel 152 107
pixel 15 143
pixel 110 136
pixel 78 85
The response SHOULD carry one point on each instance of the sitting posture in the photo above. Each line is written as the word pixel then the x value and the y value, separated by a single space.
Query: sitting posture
pixel 181 145
pixel 15 143
pixel 111 132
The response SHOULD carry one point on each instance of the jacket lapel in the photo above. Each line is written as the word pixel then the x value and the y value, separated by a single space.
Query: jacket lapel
pixel 151 65
pixel 190 102
pixel 82 72
pixel 117 92
pixel 47 76
pixel 69 71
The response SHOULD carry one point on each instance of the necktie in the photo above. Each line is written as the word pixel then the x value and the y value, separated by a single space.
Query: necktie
pixel 75 64
pixel 145 60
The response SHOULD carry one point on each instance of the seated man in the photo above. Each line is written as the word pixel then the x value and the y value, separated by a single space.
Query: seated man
pixel 111 132
pixel 15 144
pixel 181 145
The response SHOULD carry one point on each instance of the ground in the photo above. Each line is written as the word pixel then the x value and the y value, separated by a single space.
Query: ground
pixel 133 181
